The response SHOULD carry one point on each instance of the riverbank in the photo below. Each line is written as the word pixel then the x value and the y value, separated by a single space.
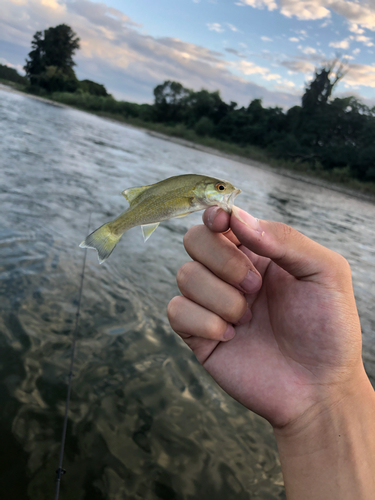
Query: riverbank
pixel 256 157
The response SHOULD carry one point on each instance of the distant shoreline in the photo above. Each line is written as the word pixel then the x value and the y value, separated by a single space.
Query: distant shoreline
pixel 309 179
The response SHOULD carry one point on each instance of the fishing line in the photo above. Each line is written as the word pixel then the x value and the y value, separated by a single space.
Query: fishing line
pixel 60 471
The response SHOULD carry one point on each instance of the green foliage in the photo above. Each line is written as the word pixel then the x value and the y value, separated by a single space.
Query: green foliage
pixel 50 63
pixel 10 74
pixel 320 89
pixel 105 105
pixel 334 137
pixel 93 88
pixel 204 126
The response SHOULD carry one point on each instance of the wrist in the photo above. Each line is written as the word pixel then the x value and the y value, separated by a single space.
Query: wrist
pixel 329 452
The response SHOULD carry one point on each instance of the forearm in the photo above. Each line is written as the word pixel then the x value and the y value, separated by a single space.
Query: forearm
pixel 331 456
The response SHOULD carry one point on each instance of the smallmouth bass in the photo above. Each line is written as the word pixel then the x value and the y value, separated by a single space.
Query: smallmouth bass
pixel 149 205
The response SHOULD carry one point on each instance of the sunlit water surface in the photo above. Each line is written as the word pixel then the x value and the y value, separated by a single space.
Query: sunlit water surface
pixel 145 421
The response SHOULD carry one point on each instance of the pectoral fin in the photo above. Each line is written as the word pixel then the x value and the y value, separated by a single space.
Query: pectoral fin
pixel 148 229
pixel 182 215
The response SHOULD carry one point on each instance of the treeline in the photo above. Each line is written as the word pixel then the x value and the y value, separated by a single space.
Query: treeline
pixel 336 135
pixel 11 75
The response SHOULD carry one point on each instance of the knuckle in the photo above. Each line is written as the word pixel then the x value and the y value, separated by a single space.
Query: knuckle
pixel 173 309
pixel 284 232
pixel 215 328
pixel 341 265
pixel 185 274
pixel 236 266
pixel 236 310
pixel 191 236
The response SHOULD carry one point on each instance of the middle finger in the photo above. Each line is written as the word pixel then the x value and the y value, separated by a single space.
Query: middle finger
pixel 199 284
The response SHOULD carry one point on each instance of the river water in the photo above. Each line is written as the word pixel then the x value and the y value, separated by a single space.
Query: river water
pixel 145 421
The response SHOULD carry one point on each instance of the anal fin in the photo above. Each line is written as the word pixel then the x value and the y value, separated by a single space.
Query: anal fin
pixel 148 229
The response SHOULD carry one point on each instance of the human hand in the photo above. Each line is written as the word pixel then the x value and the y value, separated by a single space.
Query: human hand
pixel 296 341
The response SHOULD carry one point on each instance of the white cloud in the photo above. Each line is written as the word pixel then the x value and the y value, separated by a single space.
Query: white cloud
pixel 294 39
pixel 249 68
pixel 304 9
pixel 215 27
pixel 266 39
pixel 259 4
pixel 363 39
pixel 356 51
pixel 356 12
pixel 360 74
pixel 309 50
pixel 231 27
pixel 353 27
pixel 343 44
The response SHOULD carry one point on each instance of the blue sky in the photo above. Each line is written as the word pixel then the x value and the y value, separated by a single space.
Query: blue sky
pixel 245 48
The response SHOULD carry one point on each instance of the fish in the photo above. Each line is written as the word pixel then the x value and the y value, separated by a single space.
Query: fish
pixel 149 205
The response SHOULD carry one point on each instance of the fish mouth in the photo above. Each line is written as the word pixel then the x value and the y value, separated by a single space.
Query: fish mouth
pixel 227 202
pixel 231 198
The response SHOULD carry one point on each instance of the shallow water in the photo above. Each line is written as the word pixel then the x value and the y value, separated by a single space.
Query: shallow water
pixel 145 421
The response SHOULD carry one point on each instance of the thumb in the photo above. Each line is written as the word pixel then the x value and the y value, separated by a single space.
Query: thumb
pixel 296 253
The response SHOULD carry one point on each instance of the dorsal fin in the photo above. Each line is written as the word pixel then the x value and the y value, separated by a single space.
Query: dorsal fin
pixel 132 193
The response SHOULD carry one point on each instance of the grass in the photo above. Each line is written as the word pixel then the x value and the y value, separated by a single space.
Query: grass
pixel 110 108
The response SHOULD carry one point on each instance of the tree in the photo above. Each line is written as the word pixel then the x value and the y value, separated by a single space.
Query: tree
pixel 93 88
pixel 170 98
pixel 320 89
pixel 50 63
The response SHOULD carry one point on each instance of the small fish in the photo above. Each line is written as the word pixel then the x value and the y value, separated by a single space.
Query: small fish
pixel 149 205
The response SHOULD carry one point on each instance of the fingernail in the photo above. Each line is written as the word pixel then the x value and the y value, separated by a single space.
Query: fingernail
pixel 247 219
pixel 212 213
pixel 246 317
pixel 230 332
pixel 251 282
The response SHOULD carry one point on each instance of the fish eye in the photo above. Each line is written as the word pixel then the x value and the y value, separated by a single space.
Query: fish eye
pixel 220 187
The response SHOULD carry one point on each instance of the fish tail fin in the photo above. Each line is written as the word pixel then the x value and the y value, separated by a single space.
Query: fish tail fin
pixel 103 240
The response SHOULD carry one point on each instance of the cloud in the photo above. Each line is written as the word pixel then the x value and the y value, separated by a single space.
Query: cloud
pixel 309 50
pixel 304 9
pixel 235 52
pixel 361 14
pixel 259 4
pixel 356 51
pixel 130 63
pixel 360 74
pixel 249 68
pixel 215 27
pixel 343 44
pixel 266 39
pixel 294 39
pixel 363 39
pixel 353 27
pixel 298 66
pixel 231 27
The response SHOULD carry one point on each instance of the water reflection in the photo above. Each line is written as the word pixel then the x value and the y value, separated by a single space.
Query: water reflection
pixel 145 421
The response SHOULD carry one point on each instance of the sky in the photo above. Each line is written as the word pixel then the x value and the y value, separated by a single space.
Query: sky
pixel 246 49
